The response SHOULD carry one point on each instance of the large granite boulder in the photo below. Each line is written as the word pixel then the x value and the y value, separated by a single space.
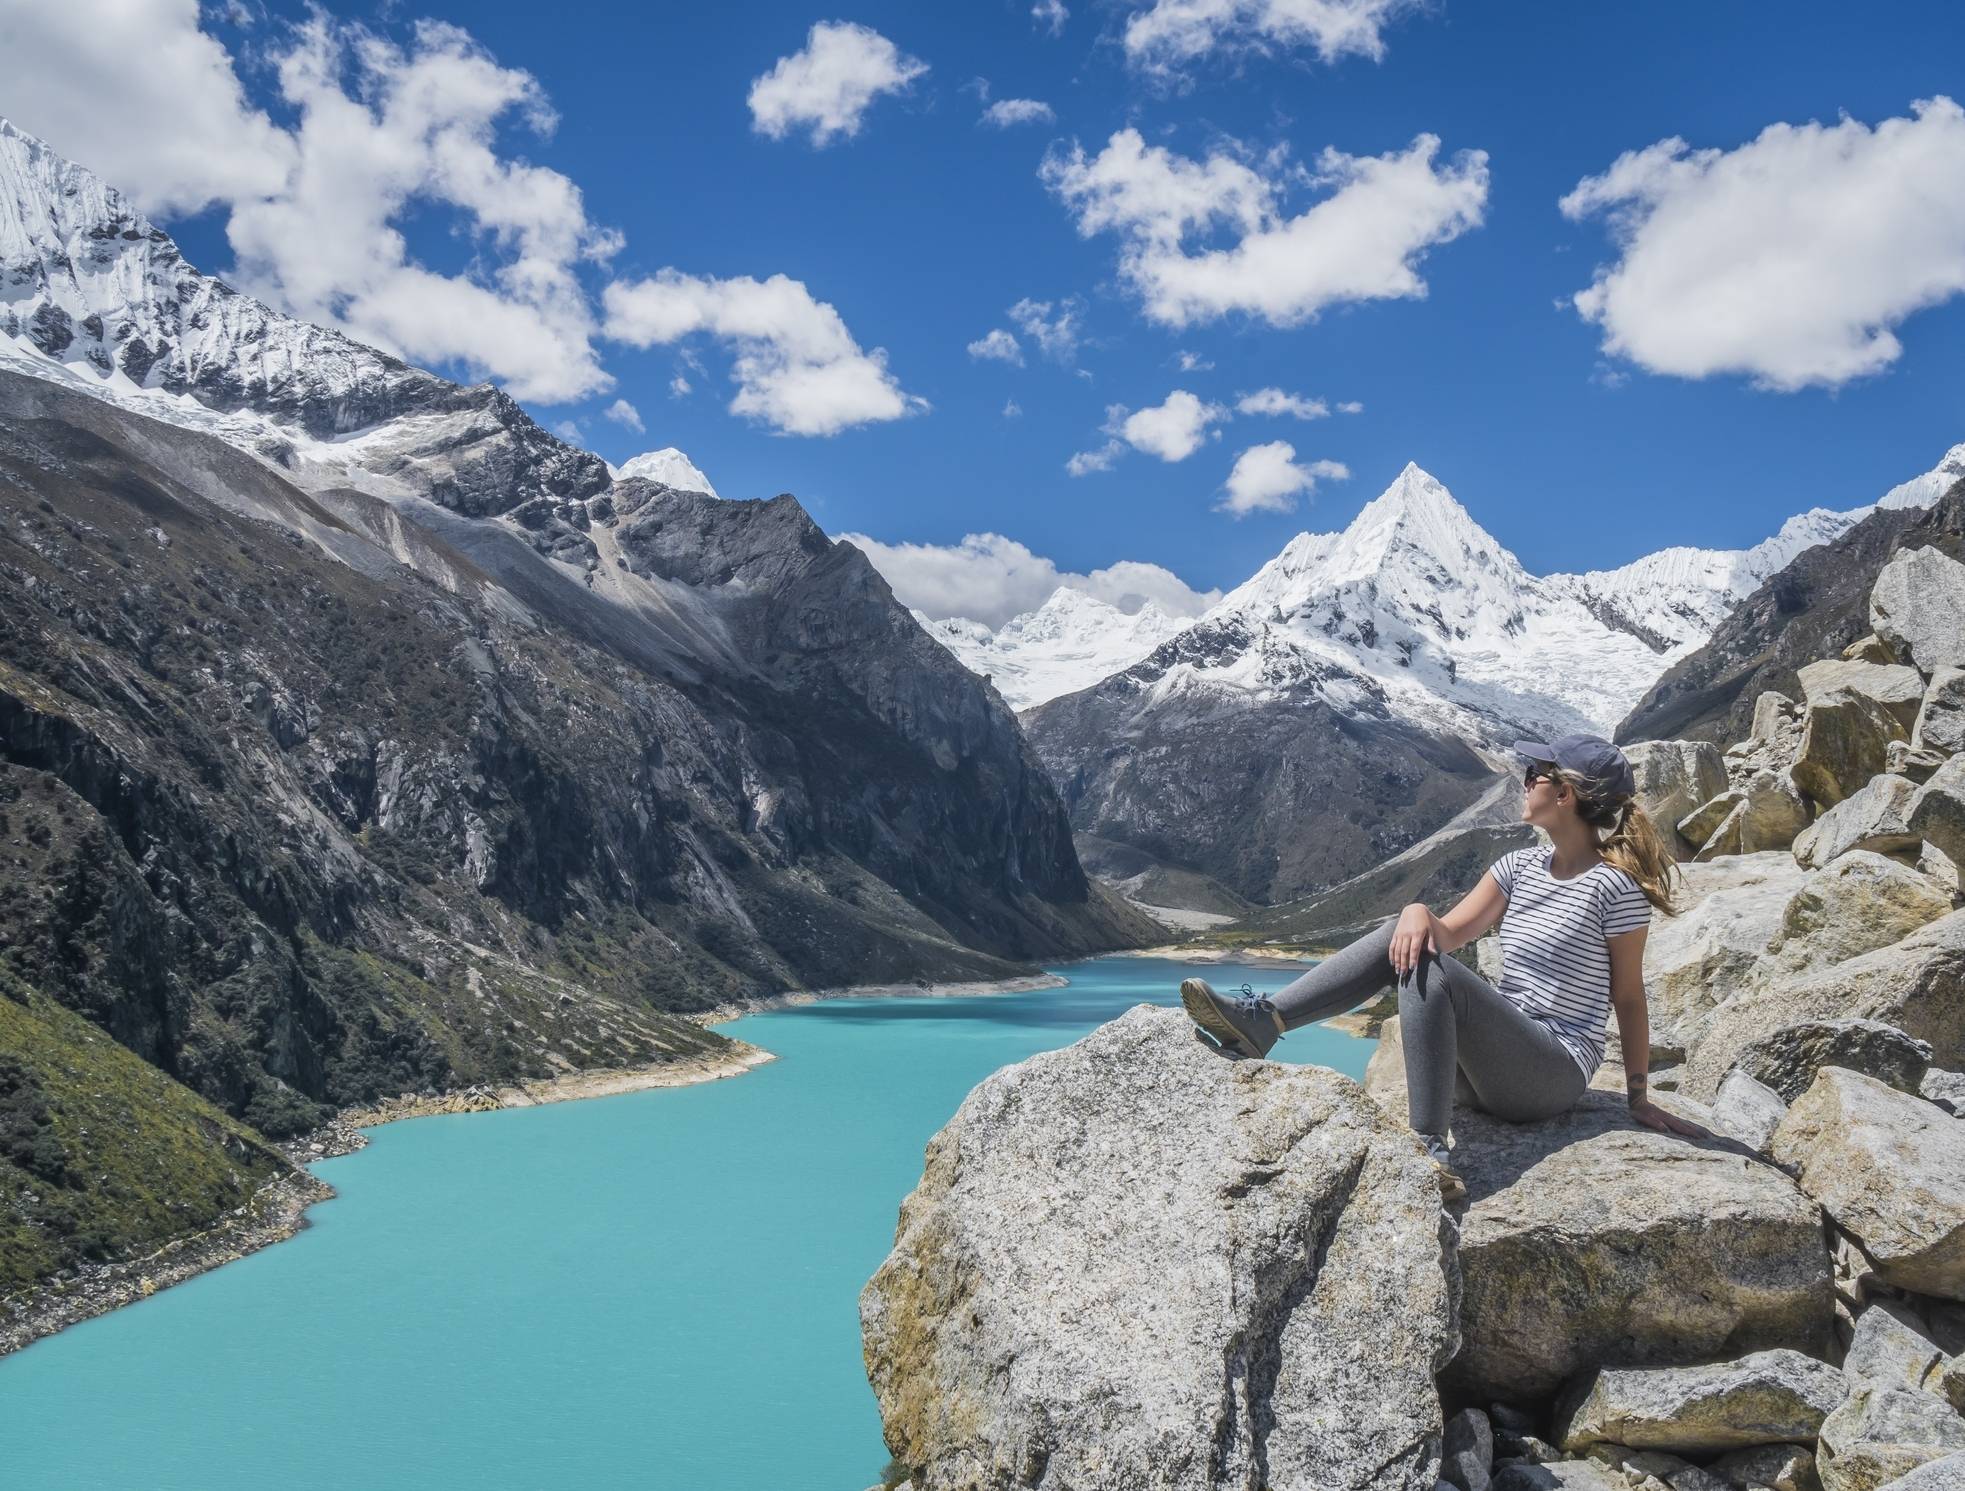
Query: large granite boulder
pixel 1889 1168
pixel 1730 910
pixel 1875 817
pixel 1857 902
pixel 1592 1241
pixel 1917 985
pixel 1766 1397
pixel 1762 810
pixel 1559 1475
pixel 1879 1434
pixel 1133 1263
pixel 1769 1467
pixel 1892 1347
pixel 1940 722
pixel 1937 811
pixel 1898 689
pixel 1844 742
pixel 1788 1059
pixel 1675 776
pixel 1944 1474
pixel 1917 605
pixel 1747 1109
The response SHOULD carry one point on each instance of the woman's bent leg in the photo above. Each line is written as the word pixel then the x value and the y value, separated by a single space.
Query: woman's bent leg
pixel 1344 980
pixel 1450 1017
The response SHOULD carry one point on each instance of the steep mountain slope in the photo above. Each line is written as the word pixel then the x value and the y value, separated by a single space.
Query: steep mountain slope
pixel 1813 608
pixel 402 746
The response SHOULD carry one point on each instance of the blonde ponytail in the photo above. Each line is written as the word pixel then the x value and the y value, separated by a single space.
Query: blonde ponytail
pixel 1632 842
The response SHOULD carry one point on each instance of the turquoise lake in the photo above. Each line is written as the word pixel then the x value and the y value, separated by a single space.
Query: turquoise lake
pixel 659 1289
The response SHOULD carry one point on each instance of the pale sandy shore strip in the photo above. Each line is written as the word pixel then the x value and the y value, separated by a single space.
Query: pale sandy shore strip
pixel 278 1210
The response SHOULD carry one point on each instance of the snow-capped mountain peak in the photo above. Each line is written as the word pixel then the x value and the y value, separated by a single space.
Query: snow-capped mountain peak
pixel 1070 642
pixel 668 466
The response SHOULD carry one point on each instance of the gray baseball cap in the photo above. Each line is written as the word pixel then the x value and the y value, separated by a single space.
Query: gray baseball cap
pixel 1599 763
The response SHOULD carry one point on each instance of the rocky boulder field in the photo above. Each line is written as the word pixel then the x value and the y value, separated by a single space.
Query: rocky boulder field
pixel 1130 1263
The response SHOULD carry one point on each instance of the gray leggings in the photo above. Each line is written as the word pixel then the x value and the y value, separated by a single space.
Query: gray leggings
pixel 1448 1016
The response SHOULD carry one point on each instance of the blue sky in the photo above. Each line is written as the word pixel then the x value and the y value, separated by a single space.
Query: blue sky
pixel 924 227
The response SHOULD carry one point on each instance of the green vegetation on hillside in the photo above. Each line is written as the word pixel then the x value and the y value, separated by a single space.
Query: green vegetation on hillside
pixel 102 1156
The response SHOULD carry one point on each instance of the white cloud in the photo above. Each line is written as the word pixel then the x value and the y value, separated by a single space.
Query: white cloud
pixel 796 366
pixel 1193 362
pixel 998 346
pixel 1361 241
pixel 1050 15
pixel 625 414
pixel 990 578
pixel 1350 406
pixel 1172 430
pixel 382 131
pixel 1789 259
pixel 1276 401
pixel 1053 326
pixel 679 387
pixel 569 430
pixel 1173 32
pixel 828 87
pixel 1268 478
pixel 1006 112
pixel 1012 409
pixel 94 78
pixel 1085 462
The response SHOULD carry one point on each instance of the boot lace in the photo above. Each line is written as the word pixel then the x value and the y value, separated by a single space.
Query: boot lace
pixel 1250 1004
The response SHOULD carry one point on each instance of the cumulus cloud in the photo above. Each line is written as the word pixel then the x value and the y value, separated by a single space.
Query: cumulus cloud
pixel 1350 406
pixel 625 414
pixel 1172 430
pixel 1171 33
pixel 1050 16
pixel 1085 462
pixel 796 366
pixel 998 346
pixel 1789 259
pixel 1362 240
pixel 827 88
pixel 380 131
pixel 1053 325
pixel 1268 478
pixel 1193 362
pixel 990 578
pixel 1006 112
pixel 1276 401
pixel 679 387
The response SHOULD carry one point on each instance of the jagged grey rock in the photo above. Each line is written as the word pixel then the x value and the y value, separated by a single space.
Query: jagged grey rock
pixel 1917 605
pixel 1747 1109
pixel 1946 1089
pixel 1869 649
pixel 1844 742
pixel 1701 826
pixel 1132 1263
pixel 1675 776
pixel 1467 1451
pixel 1875 817
pixel 1879 1434
pixel 1940 724
pixel 1729 911
pixel 1917 763
pixel 1917 985
pixel 1946 1473
pixel 1892 1347
pixel 1857 902
pixel 1898 689
pixel 1888 1167
pixel 1770 1467
pixel 1937 812
pixel 1766 1397
pixel 1559 1475
pixel 1590 1240
pixel 1788 1059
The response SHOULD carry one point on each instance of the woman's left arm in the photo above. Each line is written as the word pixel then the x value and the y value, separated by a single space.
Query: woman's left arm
pixel 1634 1033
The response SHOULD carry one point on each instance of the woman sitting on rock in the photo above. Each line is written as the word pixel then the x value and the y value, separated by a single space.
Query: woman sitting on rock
pixel 1572 941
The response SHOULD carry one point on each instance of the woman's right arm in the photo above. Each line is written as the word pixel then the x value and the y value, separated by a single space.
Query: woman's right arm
pixel 1472 915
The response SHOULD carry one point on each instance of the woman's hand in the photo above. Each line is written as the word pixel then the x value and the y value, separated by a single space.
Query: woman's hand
pixel 1652 1116
pixel 1412 939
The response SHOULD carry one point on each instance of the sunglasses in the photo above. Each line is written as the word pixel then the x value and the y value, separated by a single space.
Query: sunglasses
pixel 1537 770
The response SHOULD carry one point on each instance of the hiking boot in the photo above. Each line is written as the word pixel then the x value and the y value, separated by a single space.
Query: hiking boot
pixel 1244 1026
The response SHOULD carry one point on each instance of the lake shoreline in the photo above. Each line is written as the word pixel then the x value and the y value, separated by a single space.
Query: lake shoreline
pixel 277 1211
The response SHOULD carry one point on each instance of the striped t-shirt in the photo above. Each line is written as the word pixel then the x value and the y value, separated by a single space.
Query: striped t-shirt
pixel 1554 963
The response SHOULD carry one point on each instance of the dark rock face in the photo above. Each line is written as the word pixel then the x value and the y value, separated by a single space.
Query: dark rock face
pixel 1812 609
pixel 303 826
pixel 1276 795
